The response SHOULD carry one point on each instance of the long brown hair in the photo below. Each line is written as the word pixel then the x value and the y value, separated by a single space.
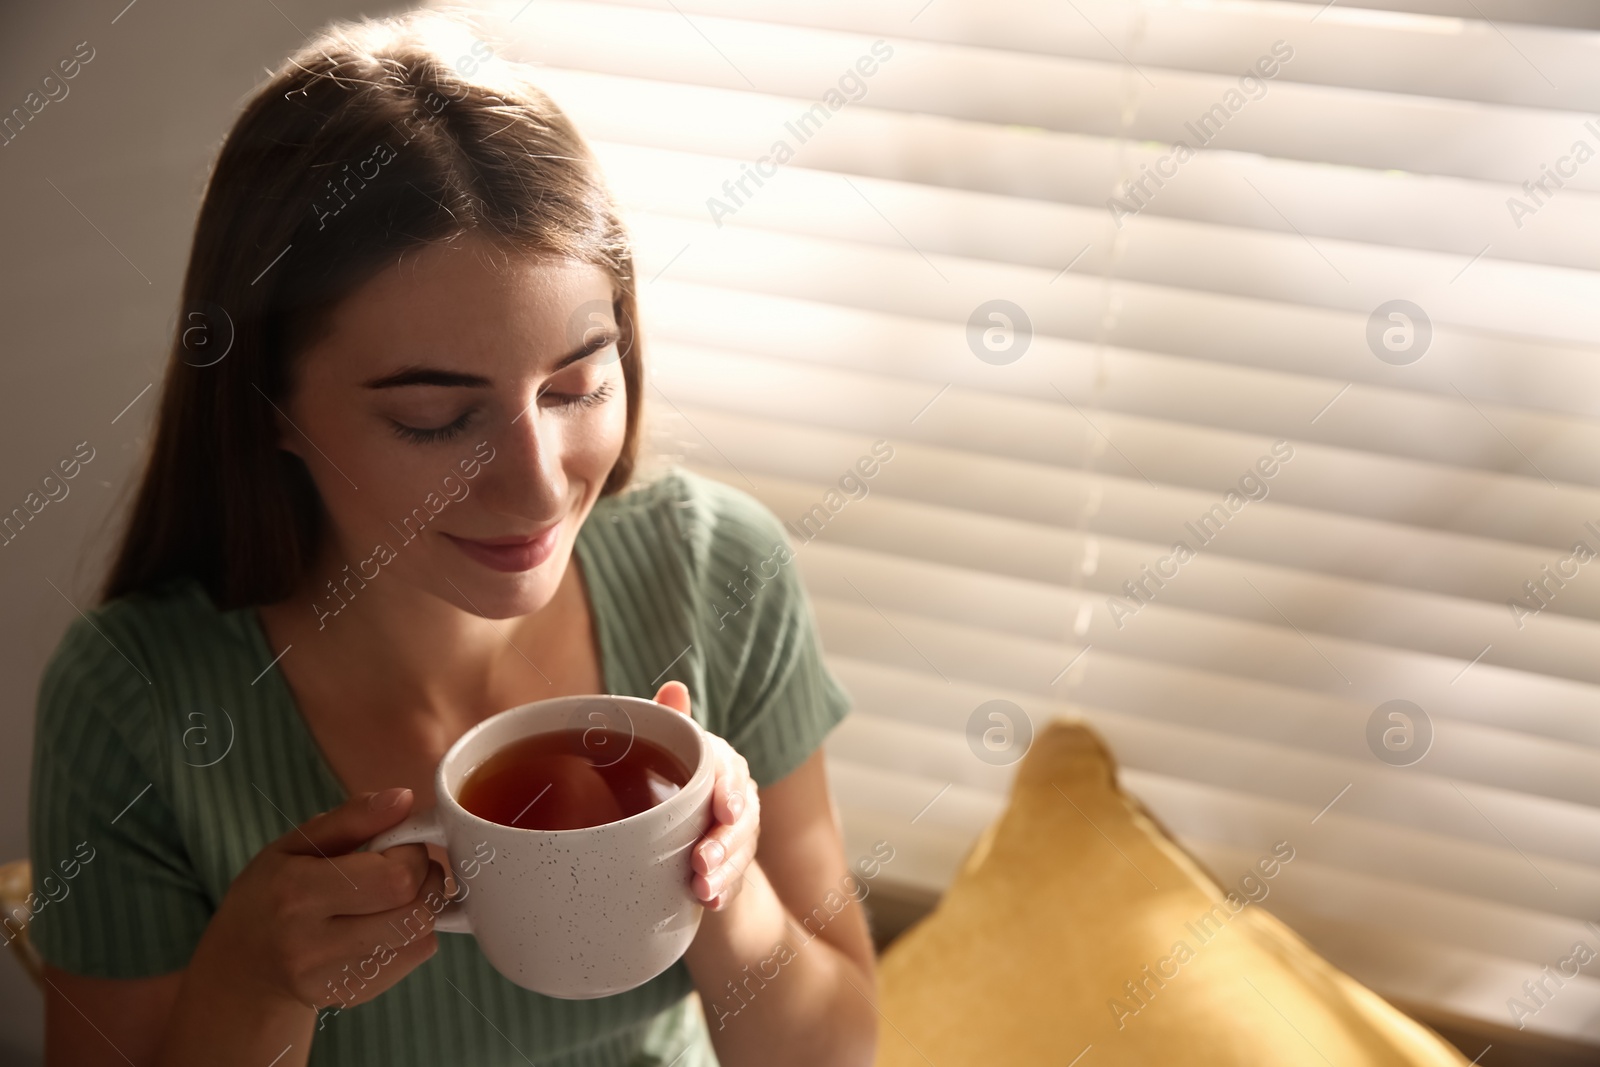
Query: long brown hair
pixel 373 138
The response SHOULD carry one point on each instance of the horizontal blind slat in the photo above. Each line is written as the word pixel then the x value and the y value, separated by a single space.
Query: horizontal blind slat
pixel 1173 342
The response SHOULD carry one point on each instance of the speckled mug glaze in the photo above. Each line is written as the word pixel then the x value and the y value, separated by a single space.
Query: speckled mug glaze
pixel 573 913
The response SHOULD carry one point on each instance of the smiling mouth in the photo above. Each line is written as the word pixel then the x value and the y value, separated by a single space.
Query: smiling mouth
pixel 510 554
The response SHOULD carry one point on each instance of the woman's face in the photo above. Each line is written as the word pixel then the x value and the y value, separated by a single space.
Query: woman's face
pixel 459 419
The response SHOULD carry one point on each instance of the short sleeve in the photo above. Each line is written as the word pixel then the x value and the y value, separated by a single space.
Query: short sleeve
pixel 765 665
pixel 114 894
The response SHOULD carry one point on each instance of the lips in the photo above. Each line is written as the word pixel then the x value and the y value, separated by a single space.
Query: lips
pixel 510 554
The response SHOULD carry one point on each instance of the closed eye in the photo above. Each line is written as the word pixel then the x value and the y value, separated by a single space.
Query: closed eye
pixel 427 435
pixel 564 400
pixel 423 435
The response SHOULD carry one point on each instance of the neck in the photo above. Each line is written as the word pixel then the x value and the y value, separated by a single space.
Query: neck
pixel 389 644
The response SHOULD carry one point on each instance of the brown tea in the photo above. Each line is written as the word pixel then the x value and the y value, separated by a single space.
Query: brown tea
pixel 570 779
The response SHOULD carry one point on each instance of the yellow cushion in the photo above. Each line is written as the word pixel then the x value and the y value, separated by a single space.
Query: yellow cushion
pixel 1025 959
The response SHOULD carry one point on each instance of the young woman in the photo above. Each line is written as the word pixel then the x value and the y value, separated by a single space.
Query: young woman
pixel 391 492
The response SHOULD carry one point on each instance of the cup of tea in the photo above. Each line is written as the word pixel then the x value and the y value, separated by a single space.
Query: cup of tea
pixel 592 805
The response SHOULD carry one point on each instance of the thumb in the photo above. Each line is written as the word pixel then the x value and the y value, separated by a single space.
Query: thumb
pixel 350 825
pixel 675 695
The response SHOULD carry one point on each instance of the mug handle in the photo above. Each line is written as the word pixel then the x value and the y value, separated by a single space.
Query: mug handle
pixel 425 829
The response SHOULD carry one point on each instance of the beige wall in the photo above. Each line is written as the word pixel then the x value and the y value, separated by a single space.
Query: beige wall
pixel 84 324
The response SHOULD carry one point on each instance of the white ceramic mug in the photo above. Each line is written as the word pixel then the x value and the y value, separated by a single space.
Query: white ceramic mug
pixel 573 913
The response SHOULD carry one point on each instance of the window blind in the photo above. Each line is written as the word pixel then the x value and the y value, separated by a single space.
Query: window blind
pixel 1341 346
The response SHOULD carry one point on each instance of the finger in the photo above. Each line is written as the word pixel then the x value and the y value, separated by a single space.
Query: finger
pixel 735 847
pixel 731 794
pixel 675 695
pixel 362 883
pixel 725 876
pixel 722 841
pixel 740 802
pixel 708 886
pixel 732 853
pixel 725 898
pixel 716 843
pixel 382 948
pixel 349 826
pixel 414 920
pixel 728 885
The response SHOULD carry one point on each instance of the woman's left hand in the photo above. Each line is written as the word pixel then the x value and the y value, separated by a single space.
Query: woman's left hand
pixel 722 855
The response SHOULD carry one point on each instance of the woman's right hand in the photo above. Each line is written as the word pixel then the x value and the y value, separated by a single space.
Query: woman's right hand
pixel 303 910
pixel 312 921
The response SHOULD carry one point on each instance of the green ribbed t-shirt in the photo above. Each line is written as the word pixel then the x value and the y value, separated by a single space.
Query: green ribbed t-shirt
pixel 169 752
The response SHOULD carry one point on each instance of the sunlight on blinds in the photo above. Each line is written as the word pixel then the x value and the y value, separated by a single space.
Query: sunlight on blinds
pixel 1227 376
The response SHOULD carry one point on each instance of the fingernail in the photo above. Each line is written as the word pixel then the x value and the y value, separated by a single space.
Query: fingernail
pixel 736 804
pixel 713 854
pixel 387 799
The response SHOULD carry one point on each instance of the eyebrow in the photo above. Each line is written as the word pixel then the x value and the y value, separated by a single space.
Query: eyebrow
pixel 423 375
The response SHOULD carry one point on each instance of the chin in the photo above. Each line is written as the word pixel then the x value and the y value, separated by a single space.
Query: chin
pixel 499 594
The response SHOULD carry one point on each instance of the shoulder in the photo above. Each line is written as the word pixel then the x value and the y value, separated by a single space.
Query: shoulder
pixel 104 778
pixel 124 658
pixel 137 636
pixel 708 522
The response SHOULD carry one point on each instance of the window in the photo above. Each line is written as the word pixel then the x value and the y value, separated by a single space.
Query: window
pixel 1343 346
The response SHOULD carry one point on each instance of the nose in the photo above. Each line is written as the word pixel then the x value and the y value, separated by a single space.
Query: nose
pixel 526 479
